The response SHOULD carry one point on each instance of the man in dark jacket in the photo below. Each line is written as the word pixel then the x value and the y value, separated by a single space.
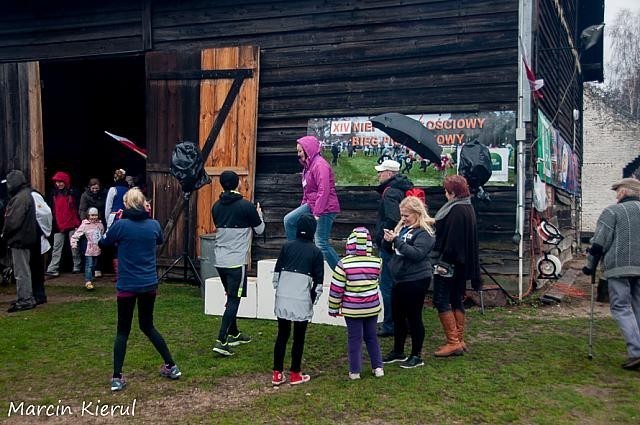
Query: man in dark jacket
pixel 392 190
pixel 64 205
pixel 234 218
pixel 20 230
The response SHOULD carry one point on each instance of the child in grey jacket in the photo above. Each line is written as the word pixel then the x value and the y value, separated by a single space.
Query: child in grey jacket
pixel 297 279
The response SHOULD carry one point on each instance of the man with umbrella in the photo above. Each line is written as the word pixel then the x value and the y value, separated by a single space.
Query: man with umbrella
pixel 392 188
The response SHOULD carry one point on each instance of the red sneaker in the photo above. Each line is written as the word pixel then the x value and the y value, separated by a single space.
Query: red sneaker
pixel 278 378
pixel 296 378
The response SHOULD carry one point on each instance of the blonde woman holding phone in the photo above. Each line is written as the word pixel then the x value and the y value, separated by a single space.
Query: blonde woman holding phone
pixel 410 244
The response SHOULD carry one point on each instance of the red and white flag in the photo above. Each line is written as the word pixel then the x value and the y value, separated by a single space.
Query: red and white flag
pixel 129 145
pixel 534 85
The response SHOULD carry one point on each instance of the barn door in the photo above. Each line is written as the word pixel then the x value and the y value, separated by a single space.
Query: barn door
pixel 21 145
pixel 235 146
pixel 208 97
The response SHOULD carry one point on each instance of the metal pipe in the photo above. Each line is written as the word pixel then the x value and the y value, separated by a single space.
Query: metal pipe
pixel 524 114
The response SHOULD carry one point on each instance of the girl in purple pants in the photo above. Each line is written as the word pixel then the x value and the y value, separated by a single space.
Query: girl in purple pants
pixel 354 295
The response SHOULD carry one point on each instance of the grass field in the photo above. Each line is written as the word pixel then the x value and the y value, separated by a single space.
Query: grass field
pixel 358 171
pixel 527 365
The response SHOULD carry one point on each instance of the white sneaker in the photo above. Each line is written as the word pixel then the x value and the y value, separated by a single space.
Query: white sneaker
pixel 378 372
pixel 97 273
pixel 354 376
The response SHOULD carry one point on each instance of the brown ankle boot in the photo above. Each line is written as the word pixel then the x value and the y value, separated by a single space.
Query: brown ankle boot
pixel 452 347
pixel 459 315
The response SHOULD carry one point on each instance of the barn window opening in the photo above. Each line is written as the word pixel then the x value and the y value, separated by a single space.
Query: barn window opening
pixel 81 99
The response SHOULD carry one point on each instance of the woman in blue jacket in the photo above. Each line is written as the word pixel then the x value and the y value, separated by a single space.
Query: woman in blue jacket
pixel 136 236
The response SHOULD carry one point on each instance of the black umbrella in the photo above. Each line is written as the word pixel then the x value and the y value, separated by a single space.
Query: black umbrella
pixel 410 133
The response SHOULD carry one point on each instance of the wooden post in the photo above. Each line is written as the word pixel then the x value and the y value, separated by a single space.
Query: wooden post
pixel 36 146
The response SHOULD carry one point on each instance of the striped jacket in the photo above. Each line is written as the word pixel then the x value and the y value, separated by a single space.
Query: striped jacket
pixel 354 284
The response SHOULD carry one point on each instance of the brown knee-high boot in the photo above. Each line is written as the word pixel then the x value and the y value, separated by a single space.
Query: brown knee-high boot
pixel 453 346
pixel 459 315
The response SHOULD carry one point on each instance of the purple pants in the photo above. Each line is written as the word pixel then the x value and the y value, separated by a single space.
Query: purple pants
pixel 357 331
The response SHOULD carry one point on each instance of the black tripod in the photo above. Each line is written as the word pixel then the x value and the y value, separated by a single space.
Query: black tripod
pixel 187 262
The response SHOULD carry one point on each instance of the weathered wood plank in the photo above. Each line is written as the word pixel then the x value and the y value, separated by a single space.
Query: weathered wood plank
pixel 36 145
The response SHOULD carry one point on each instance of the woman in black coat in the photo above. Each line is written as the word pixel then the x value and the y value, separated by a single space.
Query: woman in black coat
pixel 456 262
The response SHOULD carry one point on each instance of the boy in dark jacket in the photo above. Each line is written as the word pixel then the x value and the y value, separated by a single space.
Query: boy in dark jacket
pixel 235 218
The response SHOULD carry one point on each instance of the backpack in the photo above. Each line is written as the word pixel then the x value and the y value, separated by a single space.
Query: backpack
pixel 414 191
pixel 475 164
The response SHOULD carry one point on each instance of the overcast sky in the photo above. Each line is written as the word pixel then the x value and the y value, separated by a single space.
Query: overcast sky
pixel 611 9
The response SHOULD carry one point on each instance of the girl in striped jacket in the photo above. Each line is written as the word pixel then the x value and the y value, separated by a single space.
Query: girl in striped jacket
pixel 354 295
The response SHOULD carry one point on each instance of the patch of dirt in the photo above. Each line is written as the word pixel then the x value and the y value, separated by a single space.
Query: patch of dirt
pixel 57 292
pixel 189 406
pixel 574 287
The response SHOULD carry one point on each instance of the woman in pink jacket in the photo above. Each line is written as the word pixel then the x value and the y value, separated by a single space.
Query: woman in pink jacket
pixel 319 197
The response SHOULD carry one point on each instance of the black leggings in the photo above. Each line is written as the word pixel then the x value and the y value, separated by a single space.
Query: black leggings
pixel 448 292
pixel 407 300
pixel 284 330
pixel 126 305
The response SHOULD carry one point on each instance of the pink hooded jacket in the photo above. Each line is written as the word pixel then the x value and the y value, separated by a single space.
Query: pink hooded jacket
pixel 318 182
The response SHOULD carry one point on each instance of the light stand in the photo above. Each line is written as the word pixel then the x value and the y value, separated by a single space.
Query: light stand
pixel 187 262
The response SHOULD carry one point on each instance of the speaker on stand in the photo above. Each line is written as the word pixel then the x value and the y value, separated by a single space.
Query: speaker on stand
pixel 187 166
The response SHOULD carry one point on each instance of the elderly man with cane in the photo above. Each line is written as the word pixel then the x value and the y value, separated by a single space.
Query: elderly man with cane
pixel 616 242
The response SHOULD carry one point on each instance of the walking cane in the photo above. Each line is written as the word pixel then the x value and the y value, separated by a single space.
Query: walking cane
pixel 593 283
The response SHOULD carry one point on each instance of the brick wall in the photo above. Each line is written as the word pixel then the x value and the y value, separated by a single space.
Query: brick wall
pixel 611 141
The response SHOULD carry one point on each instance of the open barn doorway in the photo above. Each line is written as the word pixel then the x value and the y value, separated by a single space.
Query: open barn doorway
pixel 81 99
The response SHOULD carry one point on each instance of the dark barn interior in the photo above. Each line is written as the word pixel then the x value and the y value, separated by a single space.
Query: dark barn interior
pixel 80 100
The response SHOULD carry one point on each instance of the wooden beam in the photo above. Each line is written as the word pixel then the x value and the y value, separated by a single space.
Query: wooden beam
pixel 202 75
pixel 36 147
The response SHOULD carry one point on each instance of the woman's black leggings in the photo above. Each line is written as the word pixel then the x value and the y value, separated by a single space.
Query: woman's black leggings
pixel 126 305
pixel 407 300
pixel 284 330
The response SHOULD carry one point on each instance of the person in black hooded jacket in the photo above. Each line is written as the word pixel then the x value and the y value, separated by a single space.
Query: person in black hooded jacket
pixel 297 279
pixel 234 218
pixel 20 231
pixel 392 190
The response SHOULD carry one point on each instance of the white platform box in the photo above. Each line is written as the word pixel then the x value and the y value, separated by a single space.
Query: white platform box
pixel 320 311
pixel 215 298
pixel 266 293
pixel 266 296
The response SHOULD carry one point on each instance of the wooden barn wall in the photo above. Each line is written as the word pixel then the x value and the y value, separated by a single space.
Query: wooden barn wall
pixel 556 63
pixel 16 81
pixel 40 30
pixel 351 58
pixel 319 58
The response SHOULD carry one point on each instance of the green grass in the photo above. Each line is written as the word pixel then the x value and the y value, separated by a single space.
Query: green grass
pixel 358 171
pixel 527 365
